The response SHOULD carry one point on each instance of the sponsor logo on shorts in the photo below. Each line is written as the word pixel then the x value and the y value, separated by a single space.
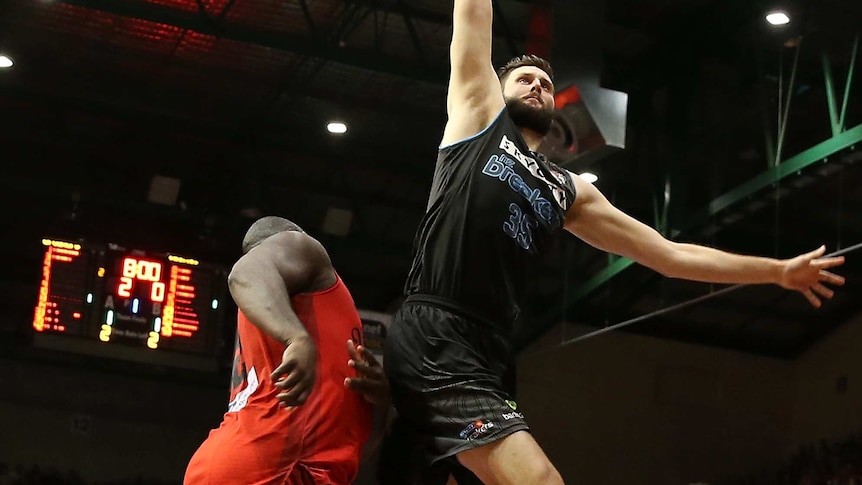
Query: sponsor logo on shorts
pixel 512 415
pixel 475 429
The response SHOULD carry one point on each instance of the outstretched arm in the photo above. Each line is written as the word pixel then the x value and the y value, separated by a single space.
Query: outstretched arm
pixel 600 224
pixel 474 96
pixel 261 283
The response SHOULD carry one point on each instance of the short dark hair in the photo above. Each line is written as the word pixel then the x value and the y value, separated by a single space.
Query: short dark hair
pixel 525 60
pixel 265 227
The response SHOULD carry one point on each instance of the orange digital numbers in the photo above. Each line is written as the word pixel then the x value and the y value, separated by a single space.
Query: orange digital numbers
pixel 157 292
pixel 142 270
pixel 124 289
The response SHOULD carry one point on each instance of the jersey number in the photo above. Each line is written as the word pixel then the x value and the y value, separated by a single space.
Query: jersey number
pixel 520 226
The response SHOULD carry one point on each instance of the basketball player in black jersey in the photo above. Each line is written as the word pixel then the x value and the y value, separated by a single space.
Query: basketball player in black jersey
pixel 495 204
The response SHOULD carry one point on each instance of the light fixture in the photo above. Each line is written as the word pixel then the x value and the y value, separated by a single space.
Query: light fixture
pixel 5 62
pixel 589 177
pixel 777 17
pixel 337 127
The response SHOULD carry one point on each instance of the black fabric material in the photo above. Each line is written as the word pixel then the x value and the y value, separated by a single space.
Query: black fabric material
pixel 494 208
pixel 448 377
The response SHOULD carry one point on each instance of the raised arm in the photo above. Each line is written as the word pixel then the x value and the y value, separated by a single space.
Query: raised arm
pixel 474 96
pixel 600 224
pixel 262 282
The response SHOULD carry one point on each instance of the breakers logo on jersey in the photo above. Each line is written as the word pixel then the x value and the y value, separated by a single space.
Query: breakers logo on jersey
pixel 521 224
pixel 530 164
pixel 501 167
pixel 475 429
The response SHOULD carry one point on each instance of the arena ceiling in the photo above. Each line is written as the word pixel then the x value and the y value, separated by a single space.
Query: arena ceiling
pixel 227 101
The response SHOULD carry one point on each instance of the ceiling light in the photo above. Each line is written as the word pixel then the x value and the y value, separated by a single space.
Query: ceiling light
pixel 5 62
pixel 589 177
pixel 777 18
pixel 337 127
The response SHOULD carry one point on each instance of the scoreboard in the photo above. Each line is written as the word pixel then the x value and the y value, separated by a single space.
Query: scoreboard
pixel 62 301
pixel 107 300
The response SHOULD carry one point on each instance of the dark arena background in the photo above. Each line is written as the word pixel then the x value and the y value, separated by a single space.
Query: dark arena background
pixel 140 138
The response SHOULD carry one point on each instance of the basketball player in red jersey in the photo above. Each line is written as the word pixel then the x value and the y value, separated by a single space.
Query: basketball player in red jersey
pixel 298 412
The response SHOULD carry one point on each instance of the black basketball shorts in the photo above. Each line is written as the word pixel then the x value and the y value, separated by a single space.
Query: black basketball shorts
pixel 448 371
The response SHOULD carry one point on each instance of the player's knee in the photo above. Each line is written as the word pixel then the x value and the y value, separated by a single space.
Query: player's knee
pixel 541 472
pixel 549 475
pixel 511 462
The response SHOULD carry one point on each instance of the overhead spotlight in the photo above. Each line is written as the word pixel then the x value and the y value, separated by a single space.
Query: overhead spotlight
pixel 337 127
pixel 589 177
pixel 777 17
pixel 5 62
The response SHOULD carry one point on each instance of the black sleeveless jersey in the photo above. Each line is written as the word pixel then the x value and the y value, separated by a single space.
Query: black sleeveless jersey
pixel 494 206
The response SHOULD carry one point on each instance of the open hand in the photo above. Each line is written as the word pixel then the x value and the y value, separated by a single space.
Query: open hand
pixel 296 374
pixel 807 274
pixel 371 382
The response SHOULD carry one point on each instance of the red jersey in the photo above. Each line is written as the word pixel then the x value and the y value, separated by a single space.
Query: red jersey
pixel 317 443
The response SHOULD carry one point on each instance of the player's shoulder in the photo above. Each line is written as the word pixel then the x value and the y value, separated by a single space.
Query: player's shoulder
pixel 304 255
pixel 296 243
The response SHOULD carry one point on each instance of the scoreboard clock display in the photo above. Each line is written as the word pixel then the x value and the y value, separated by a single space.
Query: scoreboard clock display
pixel 108 300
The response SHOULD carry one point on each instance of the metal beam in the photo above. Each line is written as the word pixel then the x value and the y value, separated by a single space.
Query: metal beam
pixel 790 166
pixel 303 46
pixel 286 90
pixel 417 13
pixel 500 20
pixel 836 118
pixel 849 82
pixel 411 29
pixel 782 119
pixel 306 13
pixel 435 17
pixel 219 133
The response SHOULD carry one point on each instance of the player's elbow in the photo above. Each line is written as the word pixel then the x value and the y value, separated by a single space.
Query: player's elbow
pixel 239 277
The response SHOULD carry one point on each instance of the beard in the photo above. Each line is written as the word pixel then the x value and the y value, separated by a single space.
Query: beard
pixel 535 118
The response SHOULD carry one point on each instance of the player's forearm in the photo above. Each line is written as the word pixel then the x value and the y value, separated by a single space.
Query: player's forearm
pixel 701 263
pixel 471 33
pixel 472 14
